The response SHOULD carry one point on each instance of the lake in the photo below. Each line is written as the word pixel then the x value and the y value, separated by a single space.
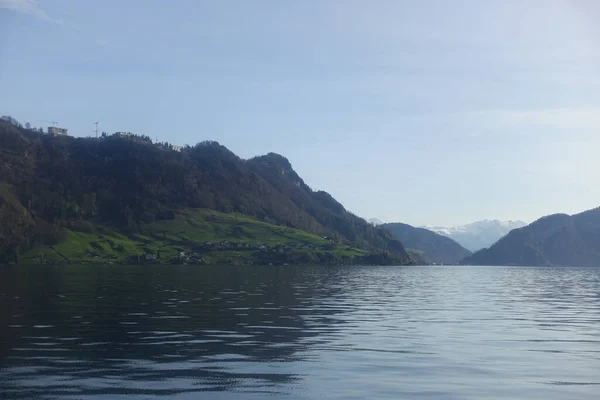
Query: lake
pixel 183 332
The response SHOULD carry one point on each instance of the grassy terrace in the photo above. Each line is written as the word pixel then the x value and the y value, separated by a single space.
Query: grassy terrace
pixel 188 232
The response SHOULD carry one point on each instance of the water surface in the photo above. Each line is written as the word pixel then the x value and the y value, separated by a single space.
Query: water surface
pixel 301 332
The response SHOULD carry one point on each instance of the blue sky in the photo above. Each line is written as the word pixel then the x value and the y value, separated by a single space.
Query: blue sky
pixel 428 112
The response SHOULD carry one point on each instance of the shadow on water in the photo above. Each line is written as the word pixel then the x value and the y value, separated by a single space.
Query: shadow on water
pixel 157 330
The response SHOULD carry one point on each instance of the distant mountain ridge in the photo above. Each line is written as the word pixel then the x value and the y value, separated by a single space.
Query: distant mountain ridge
pixel 430 246
pixel 479 234
pixel 554 240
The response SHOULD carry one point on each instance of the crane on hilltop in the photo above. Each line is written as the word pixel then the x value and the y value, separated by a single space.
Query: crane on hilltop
pixel 54 123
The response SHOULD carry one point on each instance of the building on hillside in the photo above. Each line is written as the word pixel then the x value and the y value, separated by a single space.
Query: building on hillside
pixel 123 133
pixel 56 131
pixel 176 148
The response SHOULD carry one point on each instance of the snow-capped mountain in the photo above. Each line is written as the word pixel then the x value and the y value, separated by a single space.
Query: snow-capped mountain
pixel 375 221
pixel 478 235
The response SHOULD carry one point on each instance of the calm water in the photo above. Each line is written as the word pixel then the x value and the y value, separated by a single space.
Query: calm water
pixel 301 332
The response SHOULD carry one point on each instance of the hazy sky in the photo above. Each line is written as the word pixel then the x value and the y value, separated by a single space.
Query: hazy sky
pixel 426 112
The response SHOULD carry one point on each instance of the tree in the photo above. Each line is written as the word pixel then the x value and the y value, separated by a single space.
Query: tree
pixel 128 221
pixel 27 126
pixel 89 204
pixel 11 121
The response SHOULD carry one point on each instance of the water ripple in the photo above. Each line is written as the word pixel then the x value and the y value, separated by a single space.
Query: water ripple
pixel 306 332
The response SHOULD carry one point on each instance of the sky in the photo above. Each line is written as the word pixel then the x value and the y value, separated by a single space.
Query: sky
pixel 425 112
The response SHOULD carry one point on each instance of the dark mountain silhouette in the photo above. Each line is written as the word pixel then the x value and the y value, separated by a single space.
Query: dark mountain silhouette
pixel 125 181
pixel 557 239
pixel 430 246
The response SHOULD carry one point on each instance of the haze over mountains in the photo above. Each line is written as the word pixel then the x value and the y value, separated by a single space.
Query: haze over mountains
pixel 558 239
pixel 477 235
pixel 430 246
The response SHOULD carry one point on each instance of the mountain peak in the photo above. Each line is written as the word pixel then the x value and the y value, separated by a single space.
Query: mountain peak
pixel 479 234
pixel 274 160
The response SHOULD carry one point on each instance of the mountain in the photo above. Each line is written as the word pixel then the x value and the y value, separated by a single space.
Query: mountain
pixel 126 183
pixel 430 246
pixel 557 239
pixel 479 234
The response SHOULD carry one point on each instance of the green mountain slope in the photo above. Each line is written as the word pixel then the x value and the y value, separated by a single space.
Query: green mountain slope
pixel 557 239
pixel 198 236
pixel 128 183
pixel 430 246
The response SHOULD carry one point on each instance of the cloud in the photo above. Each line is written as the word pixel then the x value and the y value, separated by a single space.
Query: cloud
pixel 29 7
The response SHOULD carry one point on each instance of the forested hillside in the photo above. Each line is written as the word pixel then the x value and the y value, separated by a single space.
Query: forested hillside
pixel 126 182
pixel 559 239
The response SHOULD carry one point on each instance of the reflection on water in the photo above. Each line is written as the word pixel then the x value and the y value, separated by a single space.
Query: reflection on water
pixel 306 332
